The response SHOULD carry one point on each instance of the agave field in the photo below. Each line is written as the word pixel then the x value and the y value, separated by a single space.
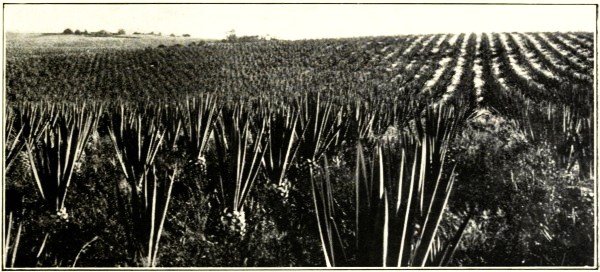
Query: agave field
pixel 419 150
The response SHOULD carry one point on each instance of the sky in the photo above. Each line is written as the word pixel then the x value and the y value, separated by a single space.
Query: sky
pixel 289 21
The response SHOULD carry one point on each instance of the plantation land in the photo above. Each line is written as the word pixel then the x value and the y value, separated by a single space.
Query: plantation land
pixel 49 41
pixel 415 150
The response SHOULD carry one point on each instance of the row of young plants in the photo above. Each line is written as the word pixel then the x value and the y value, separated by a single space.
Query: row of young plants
pixel 181 70
pixel 564 121
pixel 277 67
pixel 570 92
pixel 554 60
pixel 582 46
pixel 246 140
pixel 583 54
pixel 195 68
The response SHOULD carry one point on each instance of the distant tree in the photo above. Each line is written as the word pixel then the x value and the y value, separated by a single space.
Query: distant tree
pixel 136 33
pixel 85 32
pixel 121 32
pixel 172 35
pixel 68 31
pixel 77 32
pixel 186 35
pixel 231 35
pixel 102 33
pixel 254 38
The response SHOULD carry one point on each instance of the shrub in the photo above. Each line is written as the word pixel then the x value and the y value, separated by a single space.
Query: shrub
pixel 527 210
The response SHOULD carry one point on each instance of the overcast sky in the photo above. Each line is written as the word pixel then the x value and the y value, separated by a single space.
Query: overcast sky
pixel 299 21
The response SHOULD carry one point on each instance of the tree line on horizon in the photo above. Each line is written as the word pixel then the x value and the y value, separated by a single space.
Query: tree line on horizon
pixel 104 33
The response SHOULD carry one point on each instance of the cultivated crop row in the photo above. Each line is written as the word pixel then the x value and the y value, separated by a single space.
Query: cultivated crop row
pixel 548 108
pixel 233 143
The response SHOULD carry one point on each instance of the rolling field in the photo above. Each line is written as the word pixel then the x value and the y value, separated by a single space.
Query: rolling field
pixel 418 150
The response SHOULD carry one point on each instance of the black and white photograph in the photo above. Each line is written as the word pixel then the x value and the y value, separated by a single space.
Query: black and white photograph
pixel 347 135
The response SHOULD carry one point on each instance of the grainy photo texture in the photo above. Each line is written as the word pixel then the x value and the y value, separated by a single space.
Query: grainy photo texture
pixel 299 135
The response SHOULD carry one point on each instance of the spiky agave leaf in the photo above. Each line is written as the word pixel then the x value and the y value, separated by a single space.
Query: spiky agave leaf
pixel 11 247
pixel 159 195
pixel 323 201
pixel 445 253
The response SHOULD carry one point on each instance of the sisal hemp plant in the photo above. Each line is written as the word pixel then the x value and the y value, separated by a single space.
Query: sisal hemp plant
pixel 54 157
pixel 12 137
pixel 282 145
pixel 11 247
pixel 401 194
pixel 321 123
pixel 362 120
pixel 199 116
pixel 25 123
pixel 137 135
pixel 240 150
pixel 323 202
pixel 170 117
